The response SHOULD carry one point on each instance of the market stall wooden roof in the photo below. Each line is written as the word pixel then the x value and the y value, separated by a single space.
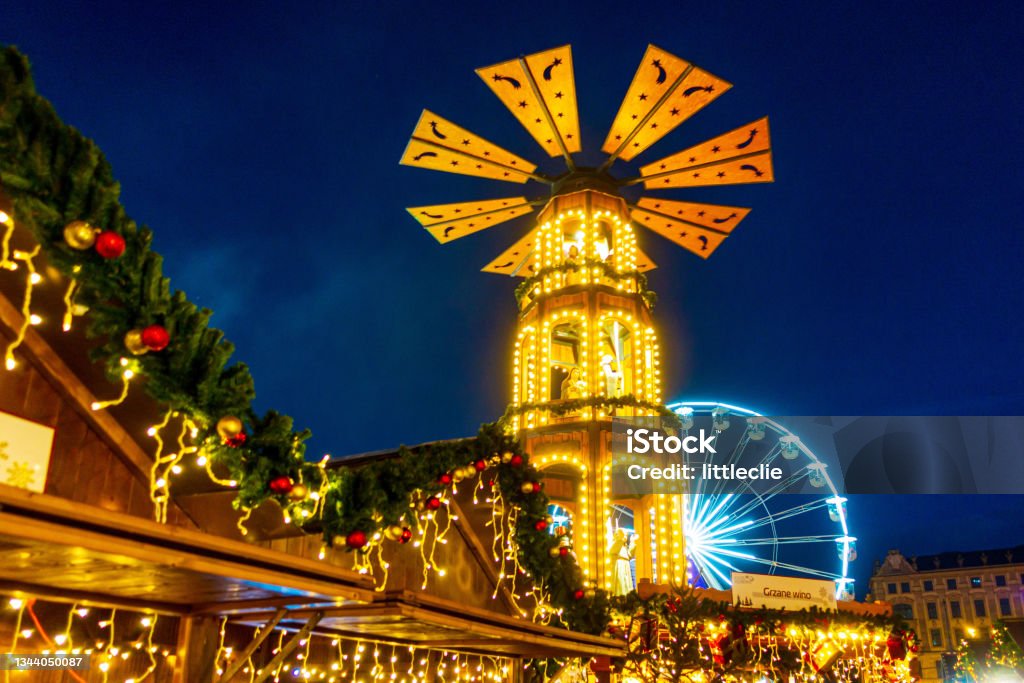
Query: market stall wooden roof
pixel 58 548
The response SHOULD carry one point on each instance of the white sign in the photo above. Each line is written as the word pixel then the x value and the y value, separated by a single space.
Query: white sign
pixel 782 592
pixel 24 453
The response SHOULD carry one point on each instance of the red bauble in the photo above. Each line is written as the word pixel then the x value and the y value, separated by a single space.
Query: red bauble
pixel 480 465
pixel 578 594
pixel 433 503
pixel 109 244
pixel 536 487
pixel 356 539
pixel 235 441
pixel 406 535
pixel 445 479
pixel 156 337
pixel 671 606
pixel 541 525
pixel 563 551
pixel 516 460
pixel 281 484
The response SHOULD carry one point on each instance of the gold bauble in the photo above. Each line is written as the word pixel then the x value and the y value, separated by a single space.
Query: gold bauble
pixel 298 492
pixel 469 471
pixel 506 456
pixel 393 532
pixel 339 541
pixel 457 475
pixel 79 235
pixel 590 593
pixel 229 426
pixel 527 487
pixel 555 552
pixel 133 342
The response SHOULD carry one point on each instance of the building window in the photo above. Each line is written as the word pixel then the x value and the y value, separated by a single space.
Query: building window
pixel 975 582
pixel 928 586
pixel 958 634
pixel 951 584
pixel 1000 580
pixel 936 638
pixel 954 610
pixel 904 610
pixel 979 608
pixel 1004 607
pixel 933 611
pixel 891 588
pixel 905 587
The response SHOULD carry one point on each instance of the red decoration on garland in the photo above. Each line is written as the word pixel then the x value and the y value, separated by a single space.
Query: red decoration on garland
pixel 356 539
pixel 480 465
pixel 156 337
pixel 563 551
pixel 578 594
pixel 541 525
pixel 236 441
pixel 406 535
pixel 433 503
pixel 516 460
pixel 109 244
pixel 281 484
pixel 444 479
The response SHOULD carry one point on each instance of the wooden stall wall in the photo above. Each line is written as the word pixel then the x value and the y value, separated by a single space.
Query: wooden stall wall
pixel 84 467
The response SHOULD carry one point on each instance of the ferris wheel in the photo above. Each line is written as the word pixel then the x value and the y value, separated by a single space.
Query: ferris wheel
pixel 796 527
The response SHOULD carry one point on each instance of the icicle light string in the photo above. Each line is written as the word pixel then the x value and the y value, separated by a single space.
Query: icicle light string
pixel 27 318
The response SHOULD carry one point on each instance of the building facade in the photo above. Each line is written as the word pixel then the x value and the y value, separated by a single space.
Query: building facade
pixel 950 597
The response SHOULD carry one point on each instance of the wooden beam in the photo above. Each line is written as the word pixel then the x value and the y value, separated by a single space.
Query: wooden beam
pixel 198 641
pixel 288 647
pixel 254 645
pixel 106 530
pixel 87 598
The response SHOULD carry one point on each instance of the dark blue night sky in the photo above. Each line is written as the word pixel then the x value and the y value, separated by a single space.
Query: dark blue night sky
pixel 879 274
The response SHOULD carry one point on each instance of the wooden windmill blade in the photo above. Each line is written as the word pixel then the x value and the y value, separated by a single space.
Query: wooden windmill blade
pixel 517 259
pixel 644 263
pixel 689 235
pixel 738 157
pixel 447 222
pixel 714 217
pixel 440 145
pixel 540 91
pixel 665 91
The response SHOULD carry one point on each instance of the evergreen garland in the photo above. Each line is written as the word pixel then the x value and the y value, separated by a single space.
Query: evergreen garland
pixel 610 403
pixel 524 288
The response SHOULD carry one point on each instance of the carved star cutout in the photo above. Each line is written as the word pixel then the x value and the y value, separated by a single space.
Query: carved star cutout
pixel 674 112
pixel 716 149
pixel 643 97
pixel 522 104
pixel 721 174
pixel 465 142
pixel 558 95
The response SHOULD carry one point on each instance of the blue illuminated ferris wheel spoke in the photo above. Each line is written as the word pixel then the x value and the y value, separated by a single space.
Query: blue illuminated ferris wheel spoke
pixel 786 514
pixel 782 540
pixel 776 564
